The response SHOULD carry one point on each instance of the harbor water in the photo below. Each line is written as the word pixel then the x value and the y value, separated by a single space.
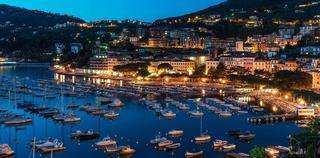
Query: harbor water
pixel 136 126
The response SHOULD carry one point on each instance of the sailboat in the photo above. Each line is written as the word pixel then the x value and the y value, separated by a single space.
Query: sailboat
pixel 202 138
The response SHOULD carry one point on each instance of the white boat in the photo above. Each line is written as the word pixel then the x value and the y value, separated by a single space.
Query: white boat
pixel 196 113
pixel 229 146
pixel 164 143
pixel 225 114
pixel 219 143
pixel 202 138
pixel 168 114
pixel 106 142
pixel 116 103
pixel 5 150
pixel 194 154
pixel 111 115
pixel 175 133
pixel 157 140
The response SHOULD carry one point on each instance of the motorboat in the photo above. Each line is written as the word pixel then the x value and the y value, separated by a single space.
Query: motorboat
pixel 219 143
pixel 229 147
pixel 175 133
pixel 246 136
pixel 116 103
pixel 111 115
pixel 203 138
pixel 5 151
pixel 88 135
pixel 168 114
pixel 194 154
pixel 196 113
pixel 18 121
pixel 164 143
pixel 173 146
pixel 225 114
pixel 127 150
pixel 106 142
pixel 157 140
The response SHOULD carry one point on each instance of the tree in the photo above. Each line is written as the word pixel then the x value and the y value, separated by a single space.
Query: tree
pixel 199 71
pixel 143 72
pixel 257 152
pixel 219 72
pixel 289 79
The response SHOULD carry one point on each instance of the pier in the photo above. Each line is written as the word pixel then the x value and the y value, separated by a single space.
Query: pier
pixel 272 118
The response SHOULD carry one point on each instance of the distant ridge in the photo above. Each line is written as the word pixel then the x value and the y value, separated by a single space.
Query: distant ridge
pixel 20 16
pixel 267 9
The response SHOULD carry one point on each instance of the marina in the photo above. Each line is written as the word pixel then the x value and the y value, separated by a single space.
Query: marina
pixel 59 116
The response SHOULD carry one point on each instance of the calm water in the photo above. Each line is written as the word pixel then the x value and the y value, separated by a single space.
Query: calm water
pixel 136 126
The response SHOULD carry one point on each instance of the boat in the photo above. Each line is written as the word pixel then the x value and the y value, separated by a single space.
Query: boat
pixel 242 112
pixel 72 106
pixel 203 138
pixel 246 136
pixel 18 121
pixel 157 140
pixel 219 143
pixel 106 142
pixel 88 135
pixel 237 155
pixel 184 107
pixel 116 103
pixel 225 114
pixel 51 149
pixel 196 113
pixel 111 115
pixel 164 143
pixel 127 150
pixel 173 146
pixel 229 147
pixel 112 149
pixel 234 133
pixel 5 151
pixel 168 114
pixel 175 133
pixel 194 154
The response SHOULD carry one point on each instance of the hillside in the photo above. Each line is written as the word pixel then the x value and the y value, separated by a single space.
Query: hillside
pixel 20 16
pixel 266 9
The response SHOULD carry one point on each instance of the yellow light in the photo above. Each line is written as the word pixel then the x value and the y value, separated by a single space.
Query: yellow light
pixel 166 79
pixel 274 109
pixel 185 79
pixel 261 103
pixel 286 96
pixel 203 92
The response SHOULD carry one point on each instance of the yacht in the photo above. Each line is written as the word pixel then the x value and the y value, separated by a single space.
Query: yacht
pixel 18 121
pixel 116 103
pixel 246 136
pixel 157 140
pixel 88 135
pixel 127 150
pixel 194 154
pixel 173 146
pixel 229 147
pixel 225 114
pixel 111 115
pixel 168 114
pixel 106 142
pixel 112 149
pixel 5 151
pixel 164 143
pixel 196 113
pixel 219 143
pixel 203 138
pixel 175 133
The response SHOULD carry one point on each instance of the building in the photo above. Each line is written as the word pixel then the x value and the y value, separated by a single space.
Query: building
pixel 264 65
pixel 104 64
pixel 315 80
pixel 211 64
pixel 181 66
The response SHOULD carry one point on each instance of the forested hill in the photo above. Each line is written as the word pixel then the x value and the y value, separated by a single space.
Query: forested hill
pixel 266 9
pixel 20 16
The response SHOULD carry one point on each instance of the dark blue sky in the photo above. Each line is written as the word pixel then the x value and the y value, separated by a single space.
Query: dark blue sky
pixel 146 10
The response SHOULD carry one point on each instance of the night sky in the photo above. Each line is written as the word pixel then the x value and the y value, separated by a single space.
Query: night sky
pixel 90 10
